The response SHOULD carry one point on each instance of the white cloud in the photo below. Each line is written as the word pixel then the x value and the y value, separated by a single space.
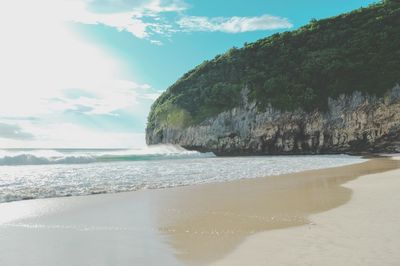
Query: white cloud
pixel 12 131
pixel 104 98
pixel 144 18
pixel 156 42
pixel 139 6
pixel 233 24
pixel 41 59
pixel 131 19
pixel 128 21
pixel 62 135
pixel 159 6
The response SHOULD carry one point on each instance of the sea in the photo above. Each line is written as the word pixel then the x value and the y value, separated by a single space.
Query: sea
pixel 44 173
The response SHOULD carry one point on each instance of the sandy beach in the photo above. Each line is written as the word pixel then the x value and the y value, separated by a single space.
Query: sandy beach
pixel 319 217
pixel 366 231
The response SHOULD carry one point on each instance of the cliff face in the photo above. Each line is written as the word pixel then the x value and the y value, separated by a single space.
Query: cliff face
pixel 355 123
pixel 326 87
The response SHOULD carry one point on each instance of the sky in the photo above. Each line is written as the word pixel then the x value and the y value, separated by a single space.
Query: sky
pixel 84 73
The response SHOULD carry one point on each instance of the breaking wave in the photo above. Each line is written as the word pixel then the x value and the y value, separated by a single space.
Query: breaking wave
pixel 72 156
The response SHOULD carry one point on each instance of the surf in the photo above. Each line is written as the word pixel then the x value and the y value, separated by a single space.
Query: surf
pixel 12 157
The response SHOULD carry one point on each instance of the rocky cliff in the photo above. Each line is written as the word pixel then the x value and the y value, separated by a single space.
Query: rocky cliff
pixel 327 87
pixel 356 123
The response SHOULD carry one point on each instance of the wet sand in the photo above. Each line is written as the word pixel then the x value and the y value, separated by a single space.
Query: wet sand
pixel 194 225
pixel 204 223
pixel 366 231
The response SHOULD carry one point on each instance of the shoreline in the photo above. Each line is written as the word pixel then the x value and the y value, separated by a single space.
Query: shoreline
pixel 196 225
pixel 364 231
pixel 212 220
pixel 219 169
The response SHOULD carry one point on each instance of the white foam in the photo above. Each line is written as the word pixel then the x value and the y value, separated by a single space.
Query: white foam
pixel 59 180
pixel 39 157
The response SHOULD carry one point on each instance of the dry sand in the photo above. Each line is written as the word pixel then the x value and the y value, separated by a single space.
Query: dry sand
pixel 224 223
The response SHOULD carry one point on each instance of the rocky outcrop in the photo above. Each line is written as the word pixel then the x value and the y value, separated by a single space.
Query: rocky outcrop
pixel 351 124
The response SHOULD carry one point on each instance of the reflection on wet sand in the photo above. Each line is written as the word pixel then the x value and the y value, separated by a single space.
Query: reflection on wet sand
pixel 203 223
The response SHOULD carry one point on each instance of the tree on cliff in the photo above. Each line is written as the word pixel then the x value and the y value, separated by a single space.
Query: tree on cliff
pixel 357 51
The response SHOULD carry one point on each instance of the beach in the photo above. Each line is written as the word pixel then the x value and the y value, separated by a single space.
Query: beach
pixel 366 231
pixel 345 215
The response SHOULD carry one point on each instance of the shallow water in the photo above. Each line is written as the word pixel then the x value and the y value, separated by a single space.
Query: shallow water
pixel 31 174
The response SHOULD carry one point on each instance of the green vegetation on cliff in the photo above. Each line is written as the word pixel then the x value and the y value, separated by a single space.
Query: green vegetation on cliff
pixel 358 51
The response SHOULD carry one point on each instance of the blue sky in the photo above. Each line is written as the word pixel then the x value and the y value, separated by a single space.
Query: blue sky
pixel 84 73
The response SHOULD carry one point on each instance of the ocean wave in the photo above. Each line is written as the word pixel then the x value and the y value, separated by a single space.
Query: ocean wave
pixel 64 180
pixel 29 159
pixel 43 157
